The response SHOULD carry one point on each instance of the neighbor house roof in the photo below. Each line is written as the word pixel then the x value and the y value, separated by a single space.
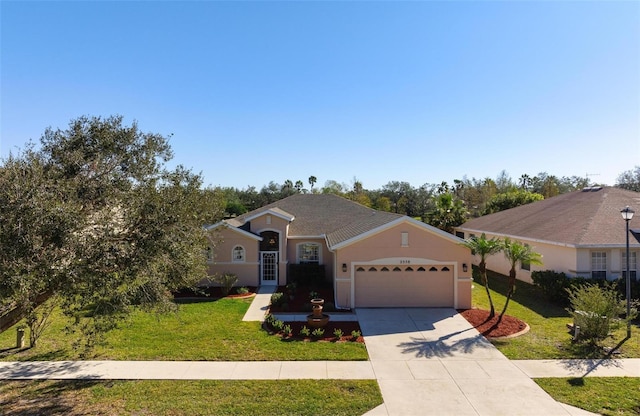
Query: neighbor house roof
pixel 316 215
pixel 589 217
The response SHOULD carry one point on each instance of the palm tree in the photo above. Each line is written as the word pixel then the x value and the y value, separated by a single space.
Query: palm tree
pixel 312 181
pixel 484 247
pixel 516 252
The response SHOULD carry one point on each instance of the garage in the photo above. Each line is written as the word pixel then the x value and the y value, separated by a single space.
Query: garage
pixel 401 285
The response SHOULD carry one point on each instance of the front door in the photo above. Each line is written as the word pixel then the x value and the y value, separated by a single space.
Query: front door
pixel 269 268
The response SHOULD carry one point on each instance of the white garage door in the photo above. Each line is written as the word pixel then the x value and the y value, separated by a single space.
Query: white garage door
pixel 404 286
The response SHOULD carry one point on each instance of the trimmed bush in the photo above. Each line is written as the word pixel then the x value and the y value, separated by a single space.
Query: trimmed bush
pixel 556 286
pixel 278 299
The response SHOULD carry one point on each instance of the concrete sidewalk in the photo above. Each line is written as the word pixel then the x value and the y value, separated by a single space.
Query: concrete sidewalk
pixel 186 370
pixel 281 370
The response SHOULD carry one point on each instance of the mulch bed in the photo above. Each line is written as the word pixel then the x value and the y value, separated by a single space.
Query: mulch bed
pixel 328 336
pixel 212 293
pixel 490 328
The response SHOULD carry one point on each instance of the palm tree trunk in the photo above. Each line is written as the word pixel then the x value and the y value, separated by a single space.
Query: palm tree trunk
pixel 512 285
pixel 483 272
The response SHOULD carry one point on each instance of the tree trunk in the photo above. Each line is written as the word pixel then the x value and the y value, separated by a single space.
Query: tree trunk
pixel 512 286
pixel 483 272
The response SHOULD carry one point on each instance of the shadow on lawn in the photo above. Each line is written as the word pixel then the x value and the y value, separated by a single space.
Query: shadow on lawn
pixel 526 294
pixel 46 397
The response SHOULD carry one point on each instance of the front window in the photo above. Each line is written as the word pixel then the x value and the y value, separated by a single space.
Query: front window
pixel 309 253
pixel 633 265
pixel 238 254
pixel 599 265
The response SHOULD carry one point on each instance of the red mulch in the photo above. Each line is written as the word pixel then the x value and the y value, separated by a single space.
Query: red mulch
pixel 490 328
pixel 213 293
pixel 328 336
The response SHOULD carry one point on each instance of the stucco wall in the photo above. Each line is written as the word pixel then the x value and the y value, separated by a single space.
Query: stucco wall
pixel 246 271
pixel 424 245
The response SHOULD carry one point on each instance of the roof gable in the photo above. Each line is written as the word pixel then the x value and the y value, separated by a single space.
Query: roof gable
pixel 337 244
pixel 581 218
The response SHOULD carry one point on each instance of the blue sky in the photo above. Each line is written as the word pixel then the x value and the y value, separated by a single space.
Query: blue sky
pixel 421 92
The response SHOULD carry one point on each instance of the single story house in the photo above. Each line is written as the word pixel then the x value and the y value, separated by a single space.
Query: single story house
pixel 580 233
pixel 372 258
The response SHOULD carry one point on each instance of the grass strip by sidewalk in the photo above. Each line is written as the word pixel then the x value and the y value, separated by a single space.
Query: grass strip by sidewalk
pixel 200 331
pixel 548 337
pixel 619 396
pixel 192 398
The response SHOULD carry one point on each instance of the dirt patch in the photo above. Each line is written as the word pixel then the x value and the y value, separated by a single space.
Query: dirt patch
pixel 490 328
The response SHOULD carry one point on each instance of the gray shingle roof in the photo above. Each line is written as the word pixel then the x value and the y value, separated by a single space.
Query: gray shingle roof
pixel 580 218
pixel 325 214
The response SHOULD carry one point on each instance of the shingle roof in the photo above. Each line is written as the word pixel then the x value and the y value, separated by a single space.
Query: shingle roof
pixel 581 218
pixel 325 214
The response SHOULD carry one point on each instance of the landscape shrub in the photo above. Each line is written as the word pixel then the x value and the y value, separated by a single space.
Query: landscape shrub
pixel 304 331
pixel 596 310
pixel 317 333
pixel 355 334
pixel 556 286
pixel 226 282
pixel 338 333
pixel 278 299
pixel 242 290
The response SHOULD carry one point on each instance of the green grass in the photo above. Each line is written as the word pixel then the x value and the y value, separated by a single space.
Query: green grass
pixel 207 397
pixel 548 337
pixel 211 331
pixel 617 396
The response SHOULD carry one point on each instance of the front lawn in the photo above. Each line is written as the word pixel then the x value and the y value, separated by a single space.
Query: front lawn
pixel 210 330
pixel 548 337
pixel 619 396
pixel 202 397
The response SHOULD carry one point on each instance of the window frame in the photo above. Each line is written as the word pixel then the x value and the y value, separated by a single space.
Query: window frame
pixel 599 265
pixel 300 255
pixel 633 264
pixel 242 250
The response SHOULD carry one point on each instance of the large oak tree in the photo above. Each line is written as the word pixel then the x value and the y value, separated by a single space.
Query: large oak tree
pixel 95 222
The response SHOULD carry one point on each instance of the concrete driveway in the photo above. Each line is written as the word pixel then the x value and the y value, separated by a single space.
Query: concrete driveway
pixel 431 361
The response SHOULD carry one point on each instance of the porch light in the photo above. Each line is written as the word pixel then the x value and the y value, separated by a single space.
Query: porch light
pixel 627 214
pixel 465 267
pixel 344 267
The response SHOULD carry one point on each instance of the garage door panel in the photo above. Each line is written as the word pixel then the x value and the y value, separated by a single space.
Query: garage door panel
pixel 404 288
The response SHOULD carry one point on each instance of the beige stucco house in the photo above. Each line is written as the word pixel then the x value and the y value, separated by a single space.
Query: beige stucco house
pixel 372 258
pixel 581 233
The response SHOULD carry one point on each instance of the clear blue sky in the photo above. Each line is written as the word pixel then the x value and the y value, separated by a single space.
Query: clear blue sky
pixel 421 92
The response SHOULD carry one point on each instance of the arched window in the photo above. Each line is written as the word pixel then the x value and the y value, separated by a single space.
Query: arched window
pixel 237 254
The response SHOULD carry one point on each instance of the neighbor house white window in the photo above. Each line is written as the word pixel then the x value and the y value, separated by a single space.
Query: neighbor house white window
pixel 599 264
pixel 404 237
pixel 237 254
pixel 633 264
pixel 309 253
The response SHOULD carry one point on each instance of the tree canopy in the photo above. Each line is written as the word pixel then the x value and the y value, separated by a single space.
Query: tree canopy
pixel 95 220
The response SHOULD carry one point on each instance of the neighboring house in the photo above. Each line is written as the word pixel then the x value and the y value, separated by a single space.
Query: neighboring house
pixel 372 258
pixel 581 233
